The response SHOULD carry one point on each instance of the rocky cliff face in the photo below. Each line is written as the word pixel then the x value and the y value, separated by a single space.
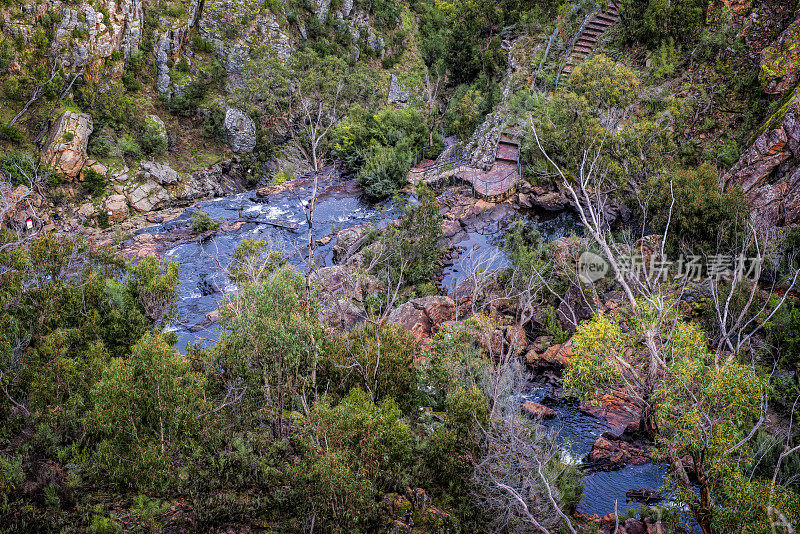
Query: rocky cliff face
pixel 84 34
pixel 780 62
pixel 769 170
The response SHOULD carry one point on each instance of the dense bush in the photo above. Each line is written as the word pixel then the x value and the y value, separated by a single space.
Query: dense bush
pixel 152 142
pixel 189 99
pixel 20 168
pixel 468 106
pixel 387 352
pixel 366 453
pixel 11 134
pixel 605 83
pixel 704 218
pixel 653 21
pixel 380 146
pixel 94 183
pixel 413 244
pixel 202 222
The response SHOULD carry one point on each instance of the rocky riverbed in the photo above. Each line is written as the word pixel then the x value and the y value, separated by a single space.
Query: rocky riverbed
pixel 603 437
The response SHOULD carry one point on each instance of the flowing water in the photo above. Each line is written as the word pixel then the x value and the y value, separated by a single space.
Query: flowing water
pixel 576 433
pixel 280 220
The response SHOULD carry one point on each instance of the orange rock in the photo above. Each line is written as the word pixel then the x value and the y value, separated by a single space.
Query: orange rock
pixel 539 411
pixel 557 356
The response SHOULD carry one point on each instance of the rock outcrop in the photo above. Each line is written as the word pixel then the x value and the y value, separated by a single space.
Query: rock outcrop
pixel 89 33
pixel 780 62
pixel 349 241
pixel 538 411
pixel 398 94
pixel 622 412
pixel 160 173
pixel 158 186
pixel 768 172
pixel 240 131
pixel 610 452
pixel 421 316
pixel 65 148
pixel 555 358
pixel 117 207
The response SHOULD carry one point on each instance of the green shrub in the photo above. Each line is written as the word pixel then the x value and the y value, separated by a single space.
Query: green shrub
pixel 129 147
pixel 703 216
pixel 130 80
pixel 414 242
pixel 182 65
pixel 6 55
pixel 380 146
pixel 164 407
pixel 202 222
pixel 102 219
pixel 102 144
pixel 68 136
pixel 186 103
pixel 652 21
pixel 136 60
pixel 19 167
pixel 366 452
pixel 152 142
pixel 664 60
pixel 728 154
pixel 284 175
pixel 604 82
pixel 468 107
pixel 383 173
pixel 12 134
pixel 94 183
pixel 214 124
pixel 387 351
pixel 201 45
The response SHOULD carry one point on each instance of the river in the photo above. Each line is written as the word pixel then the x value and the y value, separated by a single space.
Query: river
pixel 280 220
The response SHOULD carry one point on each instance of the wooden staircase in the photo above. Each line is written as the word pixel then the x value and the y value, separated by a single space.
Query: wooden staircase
pixel 507 149
pixel 589 35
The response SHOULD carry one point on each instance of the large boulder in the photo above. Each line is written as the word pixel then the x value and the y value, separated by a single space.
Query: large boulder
pixel 398 94
pixel 621 412
pixel 538 411
pixel 160 173
pixel 610 452
pixel 65 148
pixel 117 207
pixel 556 357
pixel 240 131
pixel 349 242
pixel 148 196
pixel 421 316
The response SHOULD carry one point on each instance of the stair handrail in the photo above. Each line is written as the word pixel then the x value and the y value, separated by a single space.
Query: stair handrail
pixel 589 17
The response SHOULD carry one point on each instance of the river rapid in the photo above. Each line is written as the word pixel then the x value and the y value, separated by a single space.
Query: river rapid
pixel 280 220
